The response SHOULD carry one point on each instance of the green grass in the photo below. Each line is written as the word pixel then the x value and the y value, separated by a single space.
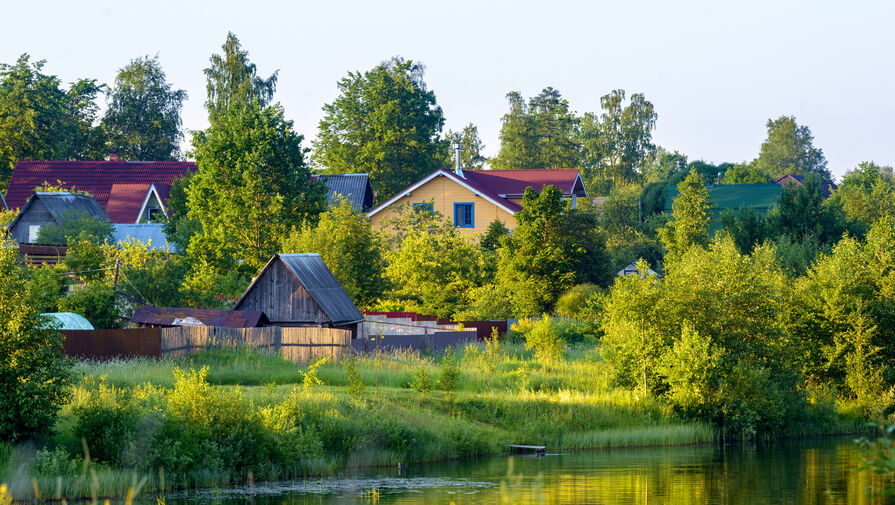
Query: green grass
pixel 504 396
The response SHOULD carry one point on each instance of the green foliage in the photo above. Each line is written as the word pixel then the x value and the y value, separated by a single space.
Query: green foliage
pixel 803 213
pixel 310 380
pixel 573 302
pixel 384 123
pixel 41 121
pixel 540 134
pixel 491 239
pixel 746 173
pixel 179 227
pixel 95 300
pixel 689 225
pixel 471 146
pixel 545 340
pixel 108 421
pixel 867 193
pixel 747 227
pixel 151 275
pixel 422 382
pixel 75 226
pixel 552 249
pixel 615 144
pixel 232 80
pixel 33 373
pixel 660 165
pixel 143 117
pixel 349 246
pixel 789 149
pixel 355 386
pixel 449 372
pixel 252 186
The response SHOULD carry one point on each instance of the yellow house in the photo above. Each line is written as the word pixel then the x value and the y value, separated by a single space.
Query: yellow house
pixel 472 199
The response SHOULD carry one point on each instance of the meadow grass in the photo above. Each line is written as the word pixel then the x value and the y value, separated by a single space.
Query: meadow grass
pixel 504 395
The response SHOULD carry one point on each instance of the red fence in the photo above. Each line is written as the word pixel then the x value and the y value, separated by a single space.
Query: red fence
pixel 105 344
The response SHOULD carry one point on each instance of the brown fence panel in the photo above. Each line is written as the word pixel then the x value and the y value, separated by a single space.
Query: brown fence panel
pixel 437 341
pixel 483 328
pixel 105 344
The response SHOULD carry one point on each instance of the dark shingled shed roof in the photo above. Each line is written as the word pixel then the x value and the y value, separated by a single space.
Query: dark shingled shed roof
pixel 59 204
pixel 165 316
pixel 355 188
pixel 322 285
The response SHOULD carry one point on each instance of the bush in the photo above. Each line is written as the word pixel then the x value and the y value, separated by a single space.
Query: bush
pixel 107 420
pixel 450 372
pixel 355 382
pixel 54 463
pixel 574 301
pixel 545 339
pixel 96 302
pixel 422 380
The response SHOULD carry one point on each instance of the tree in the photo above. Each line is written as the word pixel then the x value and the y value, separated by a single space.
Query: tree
pixel 34 375
pixel 143 118
pixel 867 193
pixel 746 173
pixel 179 227
pixel 471 147
pixel 803 213
pixel 552 248
pixel 661 165
pixel 384 123
pixel 251 187
pixel 789 149
pixel 349 246
pixel 75 226
pixel 689 224
pixel 616 143
pixel 540 134
pixel 491 239
pixel 41 121
pixel 232 79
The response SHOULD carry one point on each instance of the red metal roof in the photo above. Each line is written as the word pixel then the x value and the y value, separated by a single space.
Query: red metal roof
pixel 165 316
pixel 95 177
pixel 512 183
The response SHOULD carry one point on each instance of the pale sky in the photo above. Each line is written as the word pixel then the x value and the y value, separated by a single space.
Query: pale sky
pixel 715 71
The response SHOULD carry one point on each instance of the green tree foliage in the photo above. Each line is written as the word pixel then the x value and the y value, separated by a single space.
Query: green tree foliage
pixel 660 165
pixel 552 248
pixel 746 173
pixel 574 301
pixel 435 267
pixel 143 118
pixel 75 226
pixel 41 121
pixel 789 149
pixel 233 80
pixel 491 239
pixel 349 246
pixel 867 193
pixel 540 134
pixel 252 186
pixel 616 144
pixel 747 227
pixel 627 238
pixel 34 375
pixel 152 276
pixel 471 147
pixel 803 213
pixel 95 300
pixel 384 123
pixel 689 224
pixel 179 227
pixel 845 314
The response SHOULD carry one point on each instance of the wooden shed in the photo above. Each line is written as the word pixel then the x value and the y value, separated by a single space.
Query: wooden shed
pixel 299 290
pixel 45 208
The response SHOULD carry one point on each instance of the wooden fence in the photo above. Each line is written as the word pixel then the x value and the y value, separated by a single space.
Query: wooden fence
pixel 295 344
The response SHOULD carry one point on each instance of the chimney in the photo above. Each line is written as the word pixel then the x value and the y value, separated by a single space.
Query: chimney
pixel 457 169
pixel 113 155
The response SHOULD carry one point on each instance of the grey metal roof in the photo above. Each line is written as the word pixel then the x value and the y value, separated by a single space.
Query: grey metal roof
pixel 60 203
pixel 143 232
pixel 322 285
pixel 355 188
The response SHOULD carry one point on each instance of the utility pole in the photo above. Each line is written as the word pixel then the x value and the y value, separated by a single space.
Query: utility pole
pixel 117 264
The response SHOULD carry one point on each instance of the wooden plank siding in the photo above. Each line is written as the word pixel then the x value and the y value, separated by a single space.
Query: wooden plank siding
pixel 34 214
pixel 444 192
pixel 282 298
pixel 298 345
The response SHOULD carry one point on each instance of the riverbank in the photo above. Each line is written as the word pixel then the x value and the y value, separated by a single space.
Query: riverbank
pixel 222 416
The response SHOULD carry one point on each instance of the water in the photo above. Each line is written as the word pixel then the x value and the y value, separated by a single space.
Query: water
pixel 802 472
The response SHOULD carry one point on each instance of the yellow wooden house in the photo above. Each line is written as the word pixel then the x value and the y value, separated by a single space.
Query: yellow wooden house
pixel 472 199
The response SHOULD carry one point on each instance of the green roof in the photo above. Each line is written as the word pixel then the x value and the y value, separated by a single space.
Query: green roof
pixel 758 197
pixel 68 321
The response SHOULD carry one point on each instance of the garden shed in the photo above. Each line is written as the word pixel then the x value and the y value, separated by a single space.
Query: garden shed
pixel 45 208
pixel 300 290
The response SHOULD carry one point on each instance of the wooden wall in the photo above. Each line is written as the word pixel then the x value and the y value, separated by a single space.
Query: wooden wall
pixel 283 299
pixel 34 214
pixel 298 345
pixel 444 193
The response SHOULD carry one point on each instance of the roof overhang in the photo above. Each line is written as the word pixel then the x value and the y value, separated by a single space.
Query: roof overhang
pixel 433 175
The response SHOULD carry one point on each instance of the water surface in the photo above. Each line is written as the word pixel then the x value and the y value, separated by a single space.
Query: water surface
pixel 820 471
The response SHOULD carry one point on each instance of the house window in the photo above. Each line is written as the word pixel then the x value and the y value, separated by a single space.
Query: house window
pixel 464 215
pixel 153 214
pixel 423 207
pixel 33 233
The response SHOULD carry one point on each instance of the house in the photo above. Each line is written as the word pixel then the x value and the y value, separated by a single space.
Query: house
pixel 128 191
pixel 826 188
pixel 44 208
pixel 472 199
pixel 166 317
pixel 152 234
pixel 355 188
pixel 631 269
pixel 299 290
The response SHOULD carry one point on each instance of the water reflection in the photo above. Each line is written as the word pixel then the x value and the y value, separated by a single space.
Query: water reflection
pixel 804 472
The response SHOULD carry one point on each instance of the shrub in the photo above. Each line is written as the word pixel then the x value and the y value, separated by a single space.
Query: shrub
pixel 107 420
pixel 544 338
pixel 450 371
pixel 355 382
pixel 422 380
pixel 54 463
pixel 310 378
pixel 574 301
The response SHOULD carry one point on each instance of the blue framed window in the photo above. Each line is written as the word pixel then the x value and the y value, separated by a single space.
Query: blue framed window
pixel 464 215
pixel 423 207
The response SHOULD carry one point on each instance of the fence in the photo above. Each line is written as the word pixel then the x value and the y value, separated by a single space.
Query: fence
pixel 390 323
pixel 294 344
pixel 436 341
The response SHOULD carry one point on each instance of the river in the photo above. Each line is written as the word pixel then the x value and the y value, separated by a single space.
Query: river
pixel 817 471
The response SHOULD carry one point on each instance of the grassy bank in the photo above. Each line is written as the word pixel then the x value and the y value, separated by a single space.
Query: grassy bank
pixel 220 416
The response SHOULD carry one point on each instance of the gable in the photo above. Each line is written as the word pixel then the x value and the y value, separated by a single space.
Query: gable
pixel 281 297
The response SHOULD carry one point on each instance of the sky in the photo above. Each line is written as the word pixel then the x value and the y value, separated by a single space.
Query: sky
pixel 715 71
